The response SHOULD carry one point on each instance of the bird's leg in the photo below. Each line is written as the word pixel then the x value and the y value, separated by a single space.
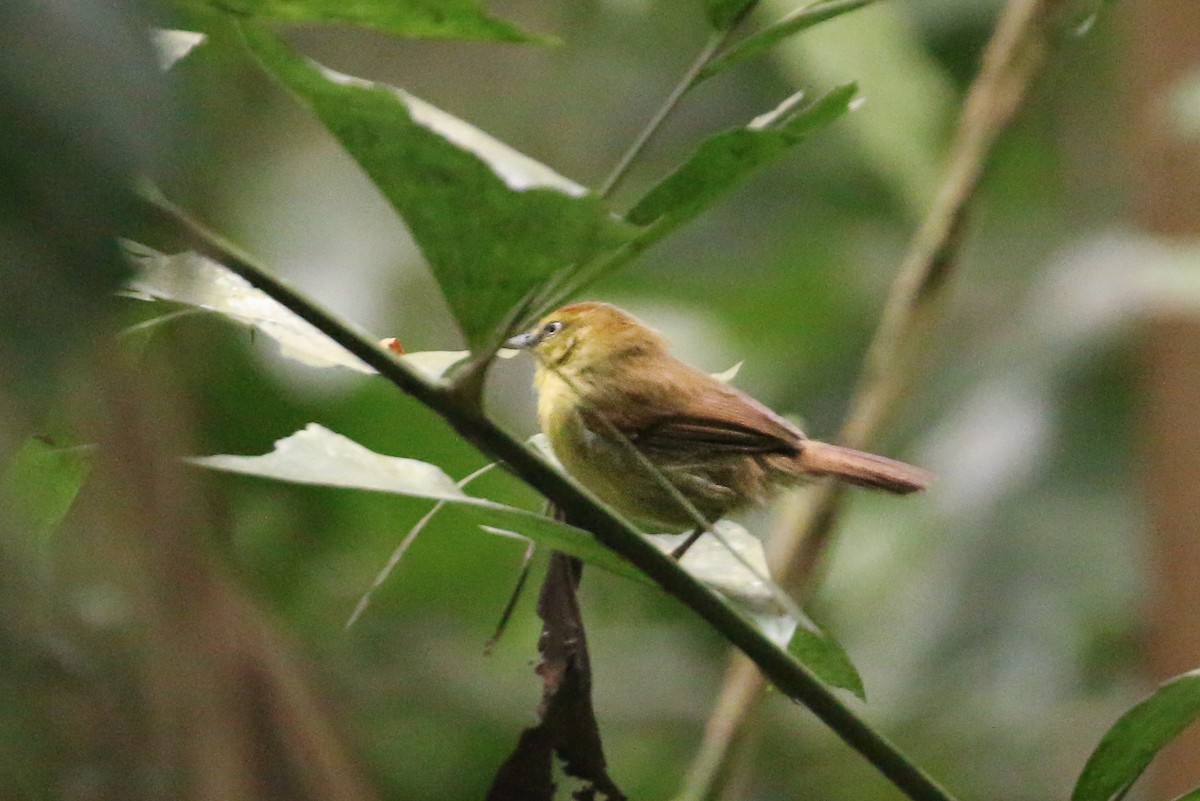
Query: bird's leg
pixel 678 553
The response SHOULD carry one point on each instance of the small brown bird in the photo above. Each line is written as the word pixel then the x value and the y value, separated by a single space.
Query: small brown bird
pixel 600 371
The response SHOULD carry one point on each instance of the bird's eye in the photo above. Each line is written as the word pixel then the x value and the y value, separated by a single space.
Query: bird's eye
pixel 550 329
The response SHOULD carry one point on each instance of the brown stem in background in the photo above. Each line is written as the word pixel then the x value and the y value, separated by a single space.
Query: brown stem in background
pixel 1164 160
pixel 1015 55
pixel 216 706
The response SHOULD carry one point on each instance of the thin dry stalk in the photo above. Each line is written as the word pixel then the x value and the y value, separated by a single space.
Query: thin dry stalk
pixel 1015 56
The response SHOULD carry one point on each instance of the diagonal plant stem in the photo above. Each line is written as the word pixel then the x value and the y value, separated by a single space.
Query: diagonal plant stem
pixel 1016 54
pixel 715 42
pixel 783 670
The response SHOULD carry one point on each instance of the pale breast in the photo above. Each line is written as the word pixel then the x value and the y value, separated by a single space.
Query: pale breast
pixel 609 468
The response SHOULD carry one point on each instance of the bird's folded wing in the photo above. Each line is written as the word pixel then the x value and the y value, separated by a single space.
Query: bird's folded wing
pixel 717 417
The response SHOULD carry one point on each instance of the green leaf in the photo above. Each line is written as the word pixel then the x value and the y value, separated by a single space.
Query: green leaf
pixel 826 657
pixel 1137 737
pixel 319 456
pixel 418 19
pixel 1194 795
pixel 724 14
pixel 39 486
pixel 726 159
pixel 494 224
pixel 799 20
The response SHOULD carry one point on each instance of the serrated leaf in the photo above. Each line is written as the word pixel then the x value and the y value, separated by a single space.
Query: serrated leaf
pixel 723 14
pixel 799 20
pixel 39 485
pixel 1136 738
pixel 726 159
pixel 493 224
pixel 321 457
pixel 417 19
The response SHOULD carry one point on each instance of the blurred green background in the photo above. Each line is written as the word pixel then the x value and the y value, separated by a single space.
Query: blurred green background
pixel 996 621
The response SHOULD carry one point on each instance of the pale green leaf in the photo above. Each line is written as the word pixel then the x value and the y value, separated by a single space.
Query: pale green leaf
pixel 319 456
pixel 39 485
pixel 200 283
pixel 736 566
pixel 172 45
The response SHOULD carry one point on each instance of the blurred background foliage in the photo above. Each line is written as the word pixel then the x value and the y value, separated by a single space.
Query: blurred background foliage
pixel 995 621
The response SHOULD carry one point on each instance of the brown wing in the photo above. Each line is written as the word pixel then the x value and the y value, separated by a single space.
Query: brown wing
pixel 686 409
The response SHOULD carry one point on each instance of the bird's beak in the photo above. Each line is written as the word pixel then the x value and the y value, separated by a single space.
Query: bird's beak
pixel 522 341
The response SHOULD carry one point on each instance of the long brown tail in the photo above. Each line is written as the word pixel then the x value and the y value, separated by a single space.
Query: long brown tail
pixel 861 468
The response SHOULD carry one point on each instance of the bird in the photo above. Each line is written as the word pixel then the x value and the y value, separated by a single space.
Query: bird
pixel 607 384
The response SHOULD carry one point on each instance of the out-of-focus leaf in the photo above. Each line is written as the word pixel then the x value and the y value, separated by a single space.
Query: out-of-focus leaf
pixel 726 159
pixel 799 20
pixel 319 456
pixel 1137 737
pixel 493 224
pixel 418 19
pixel 197 281
pixel 39 485
pixel 725 376
pixel 173 45
pixel 909 101
pixel 1194 795
pixel 723 14
pixel 83 107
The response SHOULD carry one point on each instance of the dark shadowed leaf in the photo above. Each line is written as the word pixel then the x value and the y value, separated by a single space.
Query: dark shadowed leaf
pixel 83 108
pixel 493 224
pixel 568 729
pixel 799 20
pixel 726 159
pixel 417 19
pixel 1137 737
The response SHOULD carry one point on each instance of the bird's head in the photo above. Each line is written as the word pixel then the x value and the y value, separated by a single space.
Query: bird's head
pixel 587 335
